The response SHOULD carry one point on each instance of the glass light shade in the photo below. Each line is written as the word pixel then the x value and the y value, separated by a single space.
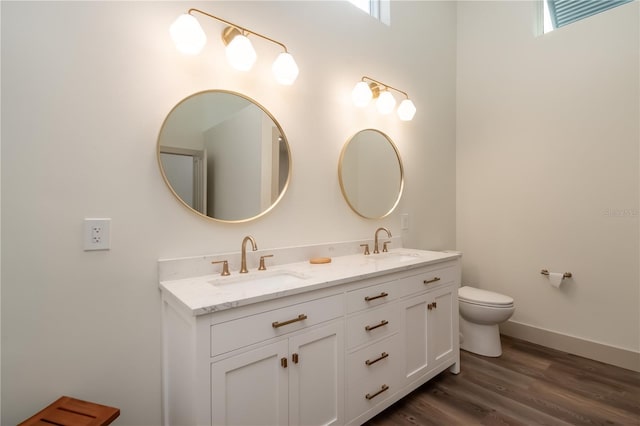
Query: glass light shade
pixel 285 69
pixel 361 94
pixel 187 34
pixel 240 53
pixel 385 103
pixel 406 110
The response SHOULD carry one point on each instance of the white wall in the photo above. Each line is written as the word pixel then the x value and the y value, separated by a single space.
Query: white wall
pixel 547 166
pixel 85 89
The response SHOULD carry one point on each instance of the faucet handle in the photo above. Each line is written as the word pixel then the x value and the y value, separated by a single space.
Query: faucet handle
pixel 262 267
pixel 225 267
pixel 366 249
pixel 384 246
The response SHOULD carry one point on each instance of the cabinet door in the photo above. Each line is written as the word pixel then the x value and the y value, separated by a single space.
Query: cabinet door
pixel 430 322
pixel 251 388
pixel 416 322
pixel 442 333
pixel 316 376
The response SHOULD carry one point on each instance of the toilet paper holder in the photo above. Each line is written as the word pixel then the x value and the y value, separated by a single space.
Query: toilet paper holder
pixel 566 274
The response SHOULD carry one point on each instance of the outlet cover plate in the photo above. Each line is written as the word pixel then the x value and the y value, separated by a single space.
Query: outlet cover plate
pixel 97 234
pixel 404 221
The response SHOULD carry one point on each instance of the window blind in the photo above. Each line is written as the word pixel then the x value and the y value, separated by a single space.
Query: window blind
pixel 564 12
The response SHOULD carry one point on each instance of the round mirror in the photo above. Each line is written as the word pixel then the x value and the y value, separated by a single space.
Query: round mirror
pixel 371 174
pixel 224 156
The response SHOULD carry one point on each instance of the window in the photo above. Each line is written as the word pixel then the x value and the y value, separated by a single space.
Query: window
pixel 362 4
pixel 558 13
pixel 379 9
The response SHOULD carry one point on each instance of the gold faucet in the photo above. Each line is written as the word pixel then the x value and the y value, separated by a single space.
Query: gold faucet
pixel 243 260
pixel 375 240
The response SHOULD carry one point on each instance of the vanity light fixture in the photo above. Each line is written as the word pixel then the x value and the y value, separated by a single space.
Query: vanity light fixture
pixel 189 38
pixel 385 103
pixel 368 89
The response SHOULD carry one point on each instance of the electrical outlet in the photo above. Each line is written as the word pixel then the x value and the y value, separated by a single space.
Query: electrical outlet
pixel 404 221
pixel 97 234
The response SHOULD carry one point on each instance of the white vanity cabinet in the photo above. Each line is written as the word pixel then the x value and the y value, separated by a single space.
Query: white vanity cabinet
pixel 431 325
pixel 292 381
pixel 273 363
pixel 334 354
pixel 411 335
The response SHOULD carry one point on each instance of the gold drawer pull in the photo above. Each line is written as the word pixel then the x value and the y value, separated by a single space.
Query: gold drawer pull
pixel 432 280
pixel 382 389
pixel 373 327
pixel 382 356
pixel 277 324
pixel 370 298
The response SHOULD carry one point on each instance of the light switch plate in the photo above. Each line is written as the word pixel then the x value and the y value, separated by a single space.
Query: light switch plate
pixel 97 234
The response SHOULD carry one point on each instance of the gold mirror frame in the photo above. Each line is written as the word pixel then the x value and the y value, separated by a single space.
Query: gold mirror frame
pixel 393 199
pixel 160 149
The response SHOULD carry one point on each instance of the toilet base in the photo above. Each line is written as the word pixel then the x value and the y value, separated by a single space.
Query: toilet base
pixel 481 339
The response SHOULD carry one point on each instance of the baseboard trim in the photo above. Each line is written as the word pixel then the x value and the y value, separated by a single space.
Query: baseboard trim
pixel 597 351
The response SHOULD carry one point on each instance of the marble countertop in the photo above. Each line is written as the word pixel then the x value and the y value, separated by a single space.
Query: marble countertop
pixel 204 294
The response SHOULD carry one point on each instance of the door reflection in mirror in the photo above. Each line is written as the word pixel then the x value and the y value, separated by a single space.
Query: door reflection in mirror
pixel 187 171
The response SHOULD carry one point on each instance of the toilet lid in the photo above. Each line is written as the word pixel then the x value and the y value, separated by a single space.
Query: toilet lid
pixel 483 297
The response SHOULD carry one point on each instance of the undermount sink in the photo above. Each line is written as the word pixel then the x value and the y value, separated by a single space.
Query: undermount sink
pixel 395 256
pixel 260 279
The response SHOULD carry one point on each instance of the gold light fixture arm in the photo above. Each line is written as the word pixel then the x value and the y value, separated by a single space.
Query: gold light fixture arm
pixel 385 86
pixel 242 29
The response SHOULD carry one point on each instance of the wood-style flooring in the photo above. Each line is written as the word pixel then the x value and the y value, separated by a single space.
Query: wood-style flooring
pixel 528 385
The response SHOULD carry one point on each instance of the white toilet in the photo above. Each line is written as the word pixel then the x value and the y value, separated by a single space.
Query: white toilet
pixel 480 313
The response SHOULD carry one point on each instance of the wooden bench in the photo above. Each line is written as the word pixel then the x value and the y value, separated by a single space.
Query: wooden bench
pixel 67 411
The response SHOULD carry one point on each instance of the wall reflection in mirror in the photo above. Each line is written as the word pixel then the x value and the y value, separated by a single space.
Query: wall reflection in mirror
pixel 224 156
pixel 371 174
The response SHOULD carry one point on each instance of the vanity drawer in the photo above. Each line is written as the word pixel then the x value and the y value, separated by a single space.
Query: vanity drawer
pixel 234 334
pixel 372 324
pixel 429 279
pixel 376 368
pixel 374 295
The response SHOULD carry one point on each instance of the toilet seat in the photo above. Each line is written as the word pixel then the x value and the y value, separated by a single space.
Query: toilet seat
pixel 481 297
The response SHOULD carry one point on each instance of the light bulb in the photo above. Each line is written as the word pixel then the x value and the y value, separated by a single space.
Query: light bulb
pixel 187 34
pixel 406 110
pixel 240 53
pixel 385 103
pixel 361 94
pixel 285 69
